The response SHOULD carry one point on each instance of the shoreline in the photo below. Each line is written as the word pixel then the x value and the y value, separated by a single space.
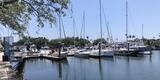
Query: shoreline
pixel 6 71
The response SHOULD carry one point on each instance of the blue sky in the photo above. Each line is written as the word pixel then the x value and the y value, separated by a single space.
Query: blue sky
pixel 145 12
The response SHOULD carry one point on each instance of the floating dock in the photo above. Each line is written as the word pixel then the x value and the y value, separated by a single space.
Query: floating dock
pixel 46 57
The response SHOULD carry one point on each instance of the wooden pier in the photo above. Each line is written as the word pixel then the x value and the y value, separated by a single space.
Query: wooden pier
pixel 56 58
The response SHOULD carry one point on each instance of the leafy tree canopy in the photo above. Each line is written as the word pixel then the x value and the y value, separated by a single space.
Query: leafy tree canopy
pixel 78 42
pixel 16 14
pixel 28 41
pixel 95 42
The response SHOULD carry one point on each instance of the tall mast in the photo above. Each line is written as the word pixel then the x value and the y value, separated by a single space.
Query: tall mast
pixel 100 45
pixel 142 32
pixel 84 24
pixel 126 21
pixel 100 3
pixel 74 25
pixel 59 16
pixel 59 51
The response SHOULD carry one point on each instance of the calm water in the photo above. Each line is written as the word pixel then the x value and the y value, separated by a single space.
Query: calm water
pixel 117 68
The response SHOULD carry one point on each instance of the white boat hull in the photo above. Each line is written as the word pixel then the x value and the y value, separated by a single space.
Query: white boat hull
pixel 104 53
pixel 82 54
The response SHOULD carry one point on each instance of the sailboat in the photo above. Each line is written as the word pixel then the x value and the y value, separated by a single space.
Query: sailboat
pixel 101 52
pixel 126 48
pixel 84 52
pixel 61 54
pixel 138 48
pixel 74 50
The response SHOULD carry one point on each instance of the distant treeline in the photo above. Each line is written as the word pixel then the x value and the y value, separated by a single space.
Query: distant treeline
pixel 149 42
pixel 152 42
pixel 40 42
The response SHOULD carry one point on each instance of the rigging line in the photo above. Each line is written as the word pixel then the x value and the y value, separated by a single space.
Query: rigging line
pixel 111 34
pixel 107 24
pixel 81 31
pixel 74 23
pixel 64 32
pixel 82 35
pixel 74 27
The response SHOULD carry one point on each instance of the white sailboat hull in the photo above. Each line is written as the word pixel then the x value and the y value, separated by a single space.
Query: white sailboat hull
pixel 82 54
pixel 104 53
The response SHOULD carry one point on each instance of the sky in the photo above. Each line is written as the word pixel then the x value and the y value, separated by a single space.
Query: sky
pixel 146 12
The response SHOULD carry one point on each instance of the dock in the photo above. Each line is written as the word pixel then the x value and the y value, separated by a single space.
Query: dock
pixel 55 58
pixel 101 56
pixel 24 56
pixel 6 71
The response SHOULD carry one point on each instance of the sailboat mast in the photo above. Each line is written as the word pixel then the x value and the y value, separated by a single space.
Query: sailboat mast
pixel 59 16
pixel 127 21
pixel 142 32
pixel 100 45
pixel 84 26
pixel 74 25
pixel 100 4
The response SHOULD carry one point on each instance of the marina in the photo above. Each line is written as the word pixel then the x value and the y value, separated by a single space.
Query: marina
pixel 79 40
pixel 124 68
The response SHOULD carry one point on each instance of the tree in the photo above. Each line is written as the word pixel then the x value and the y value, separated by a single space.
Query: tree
pixel 68 41
pixel 22 41
pixel 95 42
pixel 39 42
pixel 54 43
pixel 16 14
pixel 28 41
pixel 82 42
pixel 79 42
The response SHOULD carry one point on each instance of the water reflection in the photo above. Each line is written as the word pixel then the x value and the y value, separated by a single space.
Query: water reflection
pixel 117 68
pixel 42 69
